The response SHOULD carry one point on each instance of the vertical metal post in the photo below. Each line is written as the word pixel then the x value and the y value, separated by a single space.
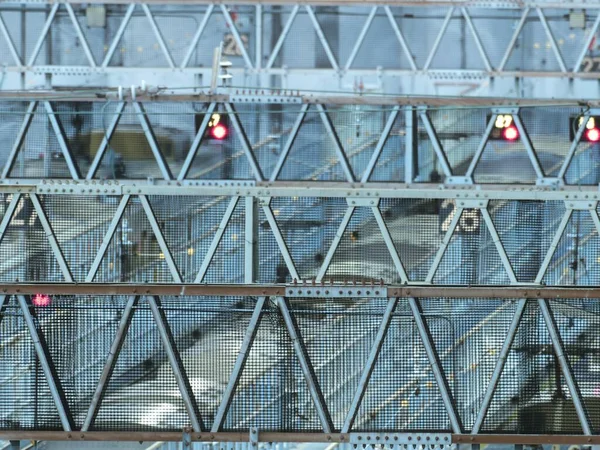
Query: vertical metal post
pixel 411 147
pixel 251 241
pixel 258 36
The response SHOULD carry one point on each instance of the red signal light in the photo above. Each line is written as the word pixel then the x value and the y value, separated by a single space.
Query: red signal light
pixel 41 300
pixel 219 132
pixel 593 135
pixel 510 133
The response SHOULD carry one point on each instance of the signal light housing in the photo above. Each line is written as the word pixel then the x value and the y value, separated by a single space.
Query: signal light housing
pixel 504 128
pixel 591 132
pixel 511 133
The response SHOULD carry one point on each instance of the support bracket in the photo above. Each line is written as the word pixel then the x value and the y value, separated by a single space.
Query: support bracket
pixel 581 205
pixel 321 291
pixel 254 437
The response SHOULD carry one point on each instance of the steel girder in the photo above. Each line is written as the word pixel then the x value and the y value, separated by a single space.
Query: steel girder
pixel 334 417
pixel 568 57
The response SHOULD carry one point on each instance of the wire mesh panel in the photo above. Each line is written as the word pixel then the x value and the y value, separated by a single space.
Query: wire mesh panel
pixel 26 400
pixel 468 335
pixel 577 321
pixel 338 337
pixel 208 333
pixel 272 393
pixel 142 393
pixel 402 393
pixel 25 250
pixel 575 260
pixel 532 397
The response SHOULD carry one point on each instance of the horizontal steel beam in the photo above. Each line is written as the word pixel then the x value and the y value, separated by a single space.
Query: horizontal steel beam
pixel 505 4
pixel 150 436
pixel 274 96
pixel 314 291
pixel 350 191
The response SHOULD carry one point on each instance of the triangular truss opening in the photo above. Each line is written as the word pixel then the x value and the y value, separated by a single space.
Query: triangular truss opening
pixel 458 30
pixel 25 249
pixel 269 128
pixel 390 53
pixel 416 231
pixel 541 403
pixel 402 393
pixel 494 33
pixel 492 166
pixel 134 253
pixel 126 149
pixel 209 338
pixel 339 347
pixel 472 244
pixel 452 140
pixel 536 50
pixel 310 52
pixel 551 151
pixel 297 216
pixel 40 153
pixel 142 393
pixel 80 224
pixel 272 393
pixel 362 254
pixel 67 36
pixel 526 229
pixel 468 346
pixel 135 49
pixel 312 156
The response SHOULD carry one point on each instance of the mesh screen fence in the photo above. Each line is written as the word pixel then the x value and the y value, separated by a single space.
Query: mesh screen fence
pixel 337 336
pixel 318 151
pixel 206 244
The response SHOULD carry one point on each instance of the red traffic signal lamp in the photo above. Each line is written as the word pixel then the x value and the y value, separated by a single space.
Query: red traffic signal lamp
pixel 217 128
pixel 591 132
pixel 504 128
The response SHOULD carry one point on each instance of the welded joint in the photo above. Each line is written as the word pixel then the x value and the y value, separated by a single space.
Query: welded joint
pixel 472 203
pixel 550 181
pixel 336 291
pixel 581 205
pixel 363 201
pixel 426 439
pixel 458 180
pixel 253 435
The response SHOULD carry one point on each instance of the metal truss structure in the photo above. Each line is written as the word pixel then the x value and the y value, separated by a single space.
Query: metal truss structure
pixel 347 270
pixel 541 48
